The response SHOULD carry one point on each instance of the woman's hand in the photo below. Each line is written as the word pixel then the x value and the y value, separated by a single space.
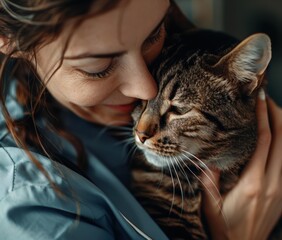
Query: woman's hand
pixel 252 208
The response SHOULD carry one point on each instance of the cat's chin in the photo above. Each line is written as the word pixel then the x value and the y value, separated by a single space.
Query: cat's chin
pixel 157 160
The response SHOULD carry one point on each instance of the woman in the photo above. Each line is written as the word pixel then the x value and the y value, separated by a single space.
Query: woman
pixel 67 69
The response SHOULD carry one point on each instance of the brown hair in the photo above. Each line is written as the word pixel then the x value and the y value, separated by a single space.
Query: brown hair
pixel 26 25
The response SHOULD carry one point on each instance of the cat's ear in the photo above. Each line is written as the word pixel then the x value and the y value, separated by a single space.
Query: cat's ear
pixel 249 60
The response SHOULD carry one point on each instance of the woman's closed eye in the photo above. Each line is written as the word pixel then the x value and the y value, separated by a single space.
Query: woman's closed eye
pixel 155 37
pixel 102 68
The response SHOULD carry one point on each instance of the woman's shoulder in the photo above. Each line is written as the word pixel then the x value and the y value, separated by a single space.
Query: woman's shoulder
pixel 21 173
pixel 61 207
pixel 16 168
pixel 18 171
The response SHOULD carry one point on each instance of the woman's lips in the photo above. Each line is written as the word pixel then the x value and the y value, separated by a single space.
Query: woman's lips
pixel 125 108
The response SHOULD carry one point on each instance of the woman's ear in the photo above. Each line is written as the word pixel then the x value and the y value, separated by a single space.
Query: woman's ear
pixel 1 44
pixel 7 47
pixel 4 45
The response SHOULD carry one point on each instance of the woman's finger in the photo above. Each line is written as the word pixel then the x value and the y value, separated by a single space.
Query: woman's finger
pixel 212 204
pixel 210 182
pixel 274 165
pixel 256 166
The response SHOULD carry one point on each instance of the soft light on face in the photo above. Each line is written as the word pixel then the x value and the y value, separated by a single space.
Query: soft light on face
pixel 104 71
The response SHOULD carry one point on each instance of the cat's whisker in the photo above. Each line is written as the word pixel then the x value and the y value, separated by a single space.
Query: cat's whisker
pixel 195 157
pixel 169 163
pixel 220 200
pixel 197 166
pixel 183 161
pixel 182 170
pixel 125 135
pixel 126 141
pixel 102 131
pixel 131 152
pixel 180 185
pixel 125 128
pixel 161 180
pixel 121 132
pixel 173 185
pixel 199 179
pixel 190 187
pixel 202 163
pixel 187 178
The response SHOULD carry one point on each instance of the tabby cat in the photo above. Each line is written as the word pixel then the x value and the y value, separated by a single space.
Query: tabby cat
pixel 203 116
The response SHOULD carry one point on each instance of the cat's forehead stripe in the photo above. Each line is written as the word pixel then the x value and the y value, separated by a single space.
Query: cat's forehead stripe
pixel 164 107
pixel 170 88
pixel 193 113
pixel 167 79
pixel 174 89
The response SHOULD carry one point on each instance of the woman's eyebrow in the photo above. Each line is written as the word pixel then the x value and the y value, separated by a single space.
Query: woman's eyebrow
pixel 115 54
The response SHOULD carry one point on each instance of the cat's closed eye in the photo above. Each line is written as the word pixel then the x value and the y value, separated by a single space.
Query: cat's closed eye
pixel 177 110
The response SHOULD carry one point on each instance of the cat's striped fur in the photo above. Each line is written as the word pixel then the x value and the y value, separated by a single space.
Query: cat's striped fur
pixel 203 116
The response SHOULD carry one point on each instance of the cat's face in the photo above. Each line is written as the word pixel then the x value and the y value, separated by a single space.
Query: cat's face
pixel 204 112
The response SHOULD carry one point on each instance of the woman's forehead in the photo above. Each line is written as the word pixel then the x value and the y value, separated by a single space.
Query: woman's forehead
pixel 126 26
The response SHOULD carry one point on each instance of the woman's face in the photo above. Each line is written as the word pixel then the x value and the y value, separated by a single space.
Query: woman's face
pixel 104 71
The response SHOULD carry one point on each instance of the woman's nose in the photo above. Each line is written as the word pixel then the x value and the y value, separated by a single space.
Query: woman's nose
pixel 138 82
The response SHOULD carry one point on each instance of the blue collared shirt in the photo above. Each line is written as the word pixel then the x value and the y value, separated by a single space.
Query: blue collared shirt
pixel 95 205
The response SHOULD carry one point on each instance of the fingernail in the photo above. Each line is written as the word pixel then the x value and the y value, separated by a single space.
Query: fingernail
pixel 261 94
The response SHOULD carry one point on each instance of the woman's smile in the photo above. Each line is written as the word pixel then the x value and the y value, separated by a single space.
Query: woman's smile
pixel 107 114
pixel 122 108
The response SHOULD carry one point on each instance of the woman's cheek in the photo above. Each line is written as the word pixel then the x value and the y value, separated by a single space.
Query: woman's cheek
pixel 77 90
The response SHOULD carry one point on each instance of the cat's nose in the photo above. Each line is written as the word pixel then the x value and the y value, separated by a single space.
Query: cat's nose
pixel 143 136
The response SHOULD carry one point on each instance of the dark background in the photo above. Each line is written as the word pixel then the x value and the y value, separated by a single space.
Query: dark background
pixel 242 18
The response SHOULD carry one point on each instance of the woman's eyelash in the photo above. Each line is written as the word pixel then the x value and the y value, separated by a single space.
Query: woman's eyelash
pixel 155 37
pixel 102 74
